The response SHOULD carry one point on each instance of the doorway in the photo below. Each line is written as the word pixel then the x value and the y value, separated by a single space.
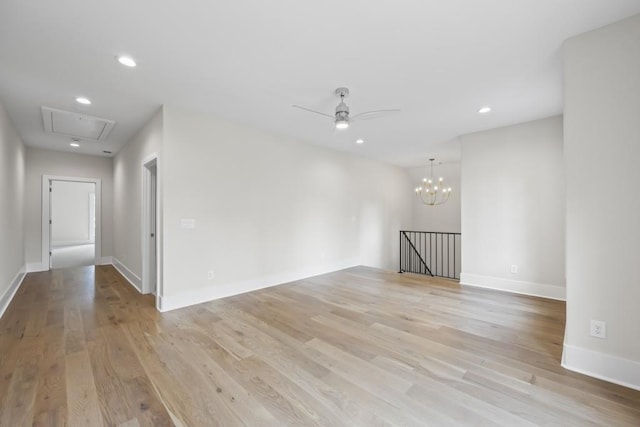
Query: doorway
pixel 150 227
pixel 70 222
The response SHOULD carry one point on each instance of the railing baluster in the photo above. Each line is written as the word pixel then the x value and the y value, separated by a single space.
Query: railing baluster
pixel 448 255
pixel 420 247
pixel 400 252
pixel 454 256
pixel 437 254
pixel 422 250
pixel 431 248
pixel 441 252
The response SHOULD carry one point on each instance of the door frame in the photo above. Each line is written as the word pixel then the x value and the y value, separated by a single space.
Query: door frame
pixel 46 217
pixel 148 163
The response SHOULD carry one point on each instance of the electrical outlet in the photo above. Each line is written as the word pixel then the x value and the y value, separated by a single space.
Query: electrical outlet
pixel 599 329
pixel 210 275
pixel 514 269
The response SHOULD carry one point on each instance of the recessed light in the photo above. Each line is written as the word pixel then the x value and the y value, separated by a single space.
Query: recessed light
pixel 127 61
pixel 82 100
pixel 74 144
pixel 360 141
pixel 484 110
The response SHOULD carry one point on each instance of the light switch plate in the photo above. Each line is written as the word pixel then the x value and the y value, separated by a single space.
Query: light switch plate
pixel 187 223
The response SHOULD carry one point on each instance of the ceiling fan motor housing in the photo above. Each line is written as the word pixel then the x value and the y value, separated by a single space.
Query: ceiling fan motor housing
pixel 342 108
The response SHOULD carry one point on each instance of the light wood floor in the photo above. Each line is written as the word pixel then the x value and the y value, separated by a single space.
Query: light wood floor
pixel 358 347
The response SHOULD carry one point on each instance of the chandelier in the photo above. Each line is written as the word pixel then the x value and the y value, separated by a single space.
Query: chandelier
pixel 432 192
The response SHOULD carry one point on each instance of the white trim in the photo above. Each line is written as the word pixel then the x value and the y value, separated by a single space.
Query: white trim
pixel 613 369
pixel 46 232
pixel 147 163
pixel 173 302
pixel 514 286
pixel 106 260
pixel 130 276
pixel 6 299
pixel 34 267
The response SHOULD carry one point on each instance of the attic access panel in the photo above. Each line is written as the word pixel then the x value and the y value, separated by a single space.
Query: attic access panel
pixel 78 125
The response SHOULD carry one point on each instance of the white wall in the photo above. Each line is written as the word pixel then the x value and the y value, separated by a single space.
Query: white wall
pixel 127 212
pixel 269 209
pixel 45 162
pixel 513 208
pixel 70 212
pixel 602 148
pixel 446 217
pixel 12 178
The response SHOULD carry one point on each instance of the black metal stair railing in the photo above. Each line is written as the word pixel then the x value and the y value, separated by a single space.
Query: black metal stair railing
pixel 431 253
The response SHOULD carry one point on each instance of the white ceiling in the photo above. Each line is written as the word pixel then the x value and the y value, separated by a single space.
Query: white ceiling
pixel 250 60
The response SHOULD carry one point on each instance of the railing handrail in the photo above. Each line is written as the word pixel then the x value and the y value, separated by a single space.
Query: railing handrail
pixel 432 232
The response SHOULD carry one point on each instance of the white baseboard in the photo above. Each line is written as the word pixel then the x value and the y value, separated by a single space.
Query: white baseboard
pixel 33 267
pixel 603 366
pixel 514 286
pixel 8 295
pixel 132 278
pixel 217 291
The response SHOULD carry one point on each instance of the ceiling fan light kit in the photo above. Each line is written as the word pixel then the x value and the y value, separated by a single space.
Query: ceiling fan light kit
pixel 342 123
pixel 433 192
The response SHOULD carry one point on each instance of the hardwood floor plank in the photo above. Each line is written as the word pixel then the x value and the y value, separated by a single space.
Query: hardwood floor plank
pixel 383 384
pixel 18 403
pixel 358 347
pixel 232 393
pixel 294 376
pixel 518 397
pixel 303 408
pixel 197 401
pixel 9 355
pixel 121 384
pixel 366 406
pixel 75 339
pixel 51 398
pixel 82 398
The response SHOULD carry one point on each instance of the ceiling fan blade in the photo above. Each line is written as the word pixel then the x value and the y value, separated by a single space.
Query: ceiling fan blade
pixel 313 111
pixel 367 115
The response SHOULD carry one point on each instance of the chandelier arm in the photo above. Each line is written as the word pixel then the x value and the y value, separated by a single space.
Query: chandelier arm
pixel 421 196
pixel 433 193
pixel 428 200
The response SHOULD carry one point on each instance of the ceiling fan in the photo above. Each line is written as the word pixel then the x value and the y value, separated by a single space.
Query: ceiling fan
pixel 341 117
